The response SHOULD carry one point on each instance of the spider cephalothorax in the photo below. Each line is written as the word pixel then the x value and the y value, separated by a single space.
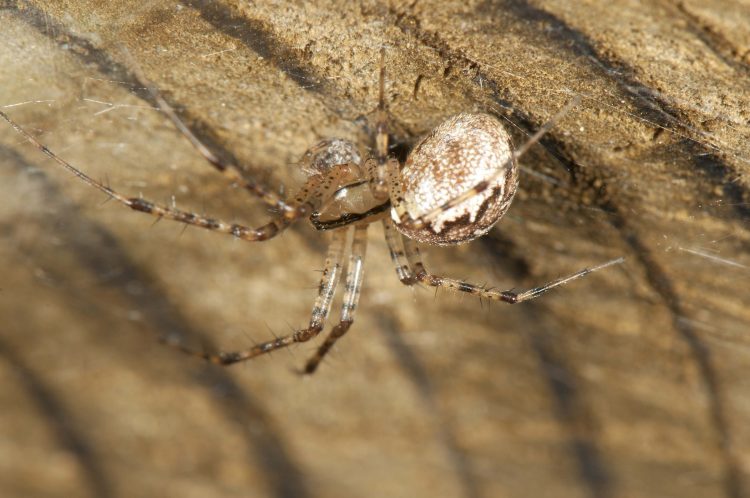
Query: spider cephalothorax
pixel 457 182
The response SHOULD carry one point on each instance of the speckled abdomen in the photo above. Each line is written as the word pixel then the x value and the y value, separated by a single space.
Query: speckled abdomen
pixel 461 154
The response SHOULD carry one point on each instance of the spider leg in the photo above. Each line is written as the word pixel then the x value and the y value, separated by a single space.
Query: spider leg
pixel 321 308
pixel 310 197
pixel 507 296
pixel 231 171
pixel 305 201
pixel 354 279
pixel 426 218
pixel 396 250
pixel 376 168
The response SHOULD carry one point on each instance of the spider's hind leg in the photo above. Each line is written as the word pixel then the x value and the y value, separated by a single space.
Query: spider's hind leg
pixel 507 296
pixel 398 256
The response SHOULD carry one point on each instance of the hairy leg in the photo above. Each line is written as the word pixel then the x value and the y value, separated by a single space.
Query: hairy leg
pixel 321 308
pixel 233 172
pixel 354 279
pixel 507 296
pixel 396 250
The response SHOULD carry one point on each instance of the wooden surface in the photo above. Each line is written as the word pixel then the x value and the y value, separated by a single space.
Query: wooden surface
pixel 630 382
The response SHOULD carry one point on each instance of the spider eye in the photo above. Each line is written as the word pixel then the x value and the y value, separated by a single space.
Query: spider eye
pixel 467 151
pixel 326 154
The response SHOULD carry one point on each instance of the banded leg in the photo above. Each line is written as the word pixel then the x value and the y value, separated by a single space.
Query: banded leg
pixel 321 308
pixel 305 202
pixel 354 278
pixel 231 171
pixel 396 250
pixel 426 218
pixel 376 168
pixel 507 296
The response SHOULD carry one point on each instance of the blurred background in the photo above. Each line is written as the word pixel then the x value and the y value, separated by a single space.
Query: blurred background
pixel 629 382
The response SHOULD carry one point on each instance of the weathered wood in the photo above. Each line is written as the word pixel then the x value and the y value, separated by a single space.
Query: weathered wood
pixel 630 382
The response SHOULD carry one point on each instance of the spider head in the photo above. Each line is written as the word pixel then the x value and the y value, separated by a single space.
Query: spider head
pixel 326 154
pixel 341 193
pixel 466 153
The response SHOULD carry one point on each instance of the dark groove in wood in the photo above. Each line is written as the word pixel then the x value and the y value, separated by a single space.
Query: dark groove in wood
pixel 567 39
pixel 418 375
pixel 722 47
pixel 642 97
pixel 91 55
pixel 66 430
pixel 259 38
pixel 570 405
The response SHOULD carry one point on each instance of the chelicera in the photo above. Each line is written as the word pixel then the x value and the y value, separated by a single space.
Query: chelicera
pixel 455 185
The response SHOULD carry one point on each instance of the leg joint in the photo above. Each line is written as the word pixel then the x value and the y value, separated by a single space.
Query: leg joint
pixel 510 297
pixel 341 328
pixel 408 280
pixel 308 333
pixel 429 279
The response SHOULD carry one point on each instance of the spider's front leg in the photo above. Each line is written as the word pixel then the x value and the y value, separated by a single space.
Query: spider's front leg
pixel 354 279
pixel 304 203
pixel 234 173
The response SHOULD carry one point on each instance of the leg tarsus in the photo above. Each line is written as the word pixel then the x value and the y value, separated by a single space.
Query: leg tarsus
pixel 225 358
pixel 336 333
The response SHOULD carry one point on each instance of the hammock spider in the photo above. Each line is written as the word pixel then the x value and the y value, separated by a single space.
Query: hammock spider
pixel 454 186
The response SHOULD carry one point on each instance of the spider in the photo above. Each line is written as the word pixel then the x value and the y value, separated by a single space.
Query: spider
pixel 454 186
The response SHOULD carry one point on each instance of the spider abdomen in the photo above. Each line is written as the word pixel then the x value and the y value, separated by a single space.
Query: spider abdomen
pixel 464 151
